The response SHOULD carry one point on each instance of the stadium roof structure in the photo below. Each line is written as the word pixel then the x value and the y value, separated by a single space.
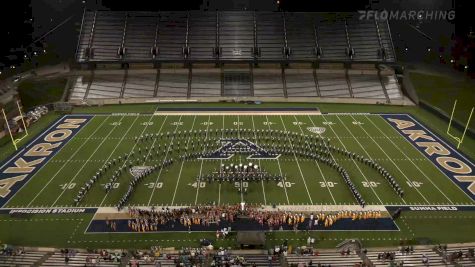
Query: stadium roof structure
pixel 232 36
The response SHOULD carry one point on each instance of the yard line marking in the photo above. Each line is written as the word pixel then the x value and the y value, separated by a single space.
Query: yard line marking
pixel 398 148
pixel 164 158
pixel 354 162
pixel 73 155
pixel 132 150
pixel 183 161
pixel 365 151
pixel 397 167
pixel 118 143
pixel 280 169
pixel 255 137
pixel 220 162
pixel 202 161
pixel 90 156
pixel 239 136
pixel 296 160
pixel 316 162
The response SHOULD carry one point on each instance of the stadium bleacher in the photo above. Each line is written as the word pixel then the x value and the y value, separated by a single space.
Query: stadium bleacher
pixel 324 257
pixel 366 84
pixel 447 255
pixel 409 259
pixel 173 83
pixel 332 83
pixel 268 83
pixel 251 55
pixel 112 36
pixel 206 83
pixel 300 83
pixel 140 85
pixel 27 258
pixel 81 259
pixel 210 82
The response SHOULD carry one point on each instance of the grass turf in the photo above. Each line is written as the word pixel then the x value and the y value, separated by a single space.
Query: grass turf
pixel 416 228
pixel 35 93
pixel 112 138
pixel 442 91
pixel 107 137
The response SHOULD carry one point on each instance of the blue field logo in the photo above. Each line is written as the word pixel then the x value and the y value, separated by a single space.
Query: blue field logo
pixel 447 159
pixel 16 171
pixel 231 146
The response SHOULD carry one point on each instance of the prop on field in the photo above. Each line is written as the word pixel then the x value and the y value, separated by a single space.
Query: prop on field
pixel 317 130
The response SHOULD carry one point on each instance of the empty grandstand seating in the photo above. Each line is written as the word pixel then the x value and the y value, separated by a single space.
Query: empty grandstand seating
pixel 171 35
pixel 268 83
pixel 366 84
pixel 160 261
pixel 216 82
pixel 109 30
pixel 300 83
pixel 332 40
pixel 140 36
pixel 324 257
pixel 236 35
pixel 206 82
pixel 270 32
pixel 363 39
pixel 202 35
pixel 79 259
pixel 236 83
pixel 332 83
pixel 173 83
pixel 140 85
pixel 105 86
pixel 28 258
pixel 301 35
pixel 231 35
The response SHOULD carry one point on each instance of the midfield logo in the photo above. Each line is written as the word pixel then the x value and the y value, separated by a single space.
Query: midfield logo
pixel 232 146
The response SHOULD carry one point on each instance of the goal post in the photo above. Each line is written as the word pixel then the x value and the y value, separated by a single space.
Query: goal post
pixel 9 130
pixel 17 140
pixel 456 138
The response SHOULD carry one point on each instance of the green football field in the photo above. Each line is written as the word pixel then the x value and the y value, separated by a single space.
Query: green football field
pixel 106 136
pixel 308 182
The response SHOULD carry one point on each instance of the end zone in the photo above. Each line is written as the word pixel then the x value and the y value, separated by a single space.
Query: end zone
pixel 21 167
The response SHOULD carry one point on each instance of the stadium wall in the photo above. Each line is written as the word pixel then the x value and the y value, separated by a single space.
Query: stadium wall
pixel 408 88
pixel 239 99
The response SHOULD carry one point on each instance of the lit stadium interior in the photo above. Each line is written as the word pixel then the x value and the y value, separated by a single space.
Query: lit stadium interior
pixel 237 133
